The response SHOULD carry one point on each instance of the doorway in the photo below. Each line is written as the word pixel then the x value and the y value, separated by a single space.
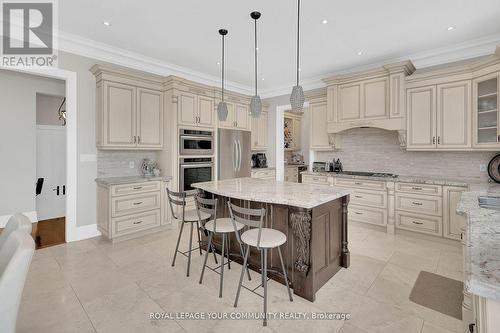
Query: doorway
pixel 50 170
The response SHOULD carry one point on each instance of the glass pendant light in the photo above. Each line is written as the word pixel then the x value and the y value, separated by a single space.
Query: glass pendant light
pixel 222 106
pixel 297 97
pixel 255 103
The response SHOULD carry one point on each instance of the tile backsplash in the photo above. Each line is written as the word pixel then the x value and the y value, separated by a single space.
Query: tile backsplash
pixel 371 149
pixel 117 163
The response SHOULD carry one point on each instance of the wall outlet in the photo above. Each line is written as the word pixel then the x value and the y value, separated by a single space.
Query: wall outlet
pixel 131 164
pixel 482 167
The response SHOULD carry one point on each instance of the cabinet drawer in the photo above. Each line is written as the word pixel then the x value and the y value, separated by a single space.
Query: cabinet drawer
pixel 265 174
pixel 135 188
pixel 132 223
pixel 313 179
pixel 369 198
pixel 367 215
pixel 134 203
pixel 291 171
pixel 419 188
pixel 424 204
pixel 418 222
pixel 366 184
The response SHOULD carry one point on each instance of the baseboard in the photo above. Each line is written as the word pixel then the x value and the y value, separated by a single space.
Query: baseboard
pixel 84 232
pixel 5 218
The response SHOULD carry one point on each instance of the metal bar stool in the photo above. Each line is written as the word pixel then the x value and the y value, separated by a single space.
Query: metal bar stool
pixel 187 216
pixel 263 239
pixel 223 226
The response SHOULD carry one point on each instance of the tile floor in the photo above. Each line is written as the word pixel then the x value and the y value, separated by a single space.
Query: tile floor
pixel 96 286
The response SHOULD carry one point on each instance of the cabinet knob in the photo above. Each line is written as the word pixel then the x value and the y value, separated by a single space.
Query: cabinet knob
pixel 433 140
pixel 439 140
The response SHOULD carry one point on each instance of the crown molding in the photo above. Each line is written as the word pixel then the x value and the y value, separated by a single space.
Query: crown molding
pixel 100 51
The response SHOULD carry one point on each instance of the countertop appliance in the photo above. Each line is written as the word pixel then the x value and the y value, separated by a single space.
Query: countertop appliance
pixel 234 153
pixel 259 160
pixel 193 142
pixel 194 170
pixel 301 169
pixel 337 166
pixel 319 167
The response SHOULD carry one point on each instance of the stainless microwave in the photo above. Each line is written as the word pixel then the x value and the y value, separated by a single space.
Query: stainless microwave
pixel 194 143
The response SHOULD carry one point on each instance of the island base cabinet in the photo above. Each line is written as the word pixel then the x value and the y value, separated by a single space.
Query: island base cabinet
pixel 316 246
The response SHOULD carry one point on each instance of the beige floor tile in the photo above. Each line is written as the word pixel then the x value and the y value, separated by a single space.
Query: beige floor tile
pixel 348 328
pixel 53 311
pixel 430 328
pixel 127 309
pixel 403 259
pixel 450 265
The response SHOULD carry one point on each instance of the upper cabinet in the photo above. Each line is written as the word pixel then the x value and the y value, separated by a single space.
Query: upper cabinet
pixel 195 110
pixel 259 131
pixel 129 110
pixel 373 98
pixel 455 106
pixel 319 139
pixel 238 117
pixel 292 131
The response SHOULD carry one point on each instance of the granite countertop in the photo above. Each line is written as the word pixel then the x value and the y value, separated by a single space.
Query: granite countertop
pixel 400 179
pixel 274 192
pixel 108 181
pixel 482 246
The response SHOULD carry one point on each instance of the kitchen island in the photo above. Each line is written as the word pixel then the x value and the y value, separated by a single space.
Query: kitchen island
pixel 313 217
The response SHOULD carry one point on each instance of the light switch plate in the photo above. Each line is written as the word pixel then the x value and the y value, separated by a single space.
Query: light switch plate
pixel 482 167
pixel 131 164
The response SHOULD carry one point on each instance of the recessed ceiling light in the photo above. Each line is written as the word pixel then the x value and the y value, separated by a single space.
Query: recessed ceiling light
pixel 218 63
pixel 325 21
pixel 450 28
pixel 262 79
pixel 300 69
pixel 106 23
pixel 359 53
pixel 257 48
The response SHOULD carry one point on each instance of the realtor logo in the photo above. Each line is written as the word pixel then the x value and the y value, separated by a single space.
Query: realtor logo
pixel 28 33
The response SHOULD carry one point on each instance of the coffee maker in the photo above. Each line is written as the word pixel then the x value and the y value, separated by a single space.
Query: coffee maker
pixel 259 160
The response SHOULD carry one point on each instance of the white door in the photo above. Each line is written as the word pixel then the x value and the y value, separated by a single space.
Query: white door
pixel 51 165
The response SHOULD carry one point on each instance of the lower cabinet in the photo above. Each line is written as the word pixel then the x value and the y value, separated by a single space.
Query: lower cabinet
pixel 292 174
pixel 264 173
pixel 126 210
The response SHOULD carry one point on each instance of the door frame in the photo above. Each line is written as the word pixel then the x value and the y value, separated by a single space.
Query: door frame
pixel 70 79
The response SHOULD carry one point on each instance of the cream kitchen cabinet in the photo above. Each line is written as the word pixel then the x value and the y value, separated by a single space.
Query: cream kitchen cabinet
pixel 129 117
pixel 196 110
pixel 291 174
pixel 292 123
pixel 439 116
pixel 237 117
pixel 264 173
pixel 129 110
pixel 486 97
pixel 259 132
pixel 453 223
pixel 319 139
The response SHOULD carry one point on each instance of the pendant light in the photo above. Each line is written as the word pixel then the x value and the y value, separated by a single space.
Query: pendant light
pixel 255 103
pixel 222 107
pixel 297 97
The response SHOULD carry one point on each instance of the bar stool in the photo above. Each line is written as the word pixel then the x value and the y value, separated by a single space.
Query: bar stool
pixel 187 216
pixel 263 239
pixel 223 226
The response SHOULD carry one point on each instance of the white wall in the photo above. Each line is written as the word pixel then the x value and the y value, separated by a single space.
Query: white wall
pixel 47 107
pixel 271 135
pixel 18 137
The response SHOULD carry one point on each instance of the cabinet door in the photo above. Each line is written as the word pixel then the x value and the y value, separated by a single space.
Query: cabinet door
pixel 187 114
pixel 453 115
pixel 485 116
pixel 319 126
pixel 296 133
pixel 349 102
pixel 452 222
pixel 149 118
pixel 421 114
pixel 119 115
pixel 259 131
pixel 241 116
pixel 254 135
pixel 375 98
pixel 229 122
pixel 206 111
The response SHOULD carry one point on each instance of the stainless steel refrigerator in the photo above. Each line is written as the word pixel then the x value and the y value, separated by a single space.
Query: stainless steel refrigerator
pixel 234 153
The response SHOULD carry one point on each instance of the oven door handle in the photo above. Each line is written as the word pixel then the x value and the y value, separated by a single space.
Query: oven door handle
pixel 191 166
pixel 193 137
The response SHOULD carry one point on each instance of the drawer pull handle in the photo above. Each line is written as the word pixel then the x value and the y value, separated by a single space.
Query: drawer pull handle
pixel 138 203
pixel 358 196
pixel 417 203
pixel 358 213
pixel 415 222
pixel 138 188
pixel 138 222
pixel 416 188
pixel 358 183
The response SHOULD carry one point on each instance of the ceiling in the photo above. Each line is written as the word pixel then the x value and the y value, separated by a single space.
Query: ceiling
pixel 184 33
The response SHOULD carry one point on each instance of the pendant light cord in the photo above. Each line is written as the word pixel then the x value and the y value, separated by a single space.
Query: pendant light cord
pixel 255 57
pixel 298 38
pixel 223 68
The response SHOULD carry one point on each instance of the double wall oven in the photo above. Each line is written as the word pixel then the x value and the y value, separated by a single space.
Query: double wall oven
pixel 196 149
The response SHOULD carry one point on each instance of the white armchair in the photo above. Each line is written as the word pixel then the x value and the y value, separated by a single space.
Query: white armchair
pixel 16 222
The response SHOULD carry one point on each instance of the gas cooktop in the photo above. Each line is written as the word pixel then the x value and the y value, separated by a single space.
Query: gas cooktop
pixel 368 174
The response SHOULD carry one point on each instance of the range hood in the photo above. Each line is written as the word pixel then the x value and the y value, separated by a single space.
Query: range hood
pixel 371 98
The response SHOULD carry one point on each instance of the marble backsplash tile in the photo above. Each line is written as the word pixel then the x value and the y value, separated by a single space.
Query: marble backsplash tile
pixel 371 149
pixel 117 163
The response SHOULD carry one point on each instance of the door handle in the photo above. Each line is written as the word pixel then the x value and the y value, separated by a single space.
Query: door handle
pixel 239 155
pixel 234 156
pixel 64 189
pixel 56 189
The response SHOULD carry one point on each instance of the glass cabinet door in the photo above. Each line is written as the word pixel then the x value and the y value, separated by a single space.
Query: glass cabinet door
pixel 487 111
